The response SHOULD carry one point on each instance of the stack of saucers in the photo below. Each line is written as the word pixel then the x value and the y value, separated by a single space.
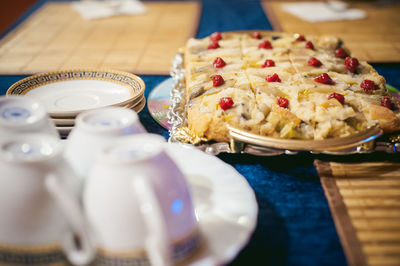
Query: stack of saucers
pixel 67 93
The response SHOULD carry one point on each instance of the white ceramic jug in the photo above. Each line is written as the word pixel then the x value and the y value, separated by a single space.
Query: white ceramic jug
pixel 39 208
pixel 139 205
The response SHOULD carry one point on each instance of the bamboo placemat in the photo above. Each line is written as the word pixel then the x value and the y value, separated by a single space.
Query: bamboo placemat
pixel 56 37
pixel 364 199
pixel 374 39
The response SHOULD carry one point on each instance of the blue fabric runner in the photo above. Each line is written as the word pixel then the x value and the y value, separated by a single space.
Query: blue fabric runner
pixel 295 226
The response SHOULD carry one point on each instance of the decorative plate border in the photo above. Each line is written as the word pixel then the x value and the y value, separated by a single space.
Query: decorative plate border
pixel 182 249
pixel 50 254
pixel 134 83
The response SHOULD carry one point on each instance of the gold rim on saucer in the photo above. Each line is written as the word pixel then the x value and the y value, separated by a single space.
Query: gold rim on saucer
pixel 134 84
pixel 139 107
pixel 135 103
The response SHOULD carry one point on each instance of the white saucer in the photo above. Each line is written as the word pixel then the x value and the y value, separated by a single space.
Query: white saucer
pixel 64 126
pixel 69 92
pixel 225 204
pixel 139 106
pixel 63 121
pixel 64 130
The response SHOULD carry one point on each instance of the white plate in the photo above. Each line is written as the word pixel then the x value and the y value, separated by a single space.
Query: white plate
pixel 67 93
pixel 225 204
pixel 64 130
pixel 137 102
pixel 65 125
pixel 139 107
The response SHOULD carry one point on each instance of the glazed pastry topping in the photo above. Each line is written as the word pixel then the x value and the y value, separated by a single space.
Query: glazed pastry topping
pixel 314 62
pixel 351 64
pixel 324 79
pixel 256 35
pixel 337 96
pixel 386 102
pixel 341 53
pixel 300 38
pixel 368 85
pixel 269 63
pixel 283 102
pixel 265 45
pixel 213 45
pixel 273 78
pixel 225 103
pixel 217 80
pixel 309 45
pixel 216 36
pixel 219 62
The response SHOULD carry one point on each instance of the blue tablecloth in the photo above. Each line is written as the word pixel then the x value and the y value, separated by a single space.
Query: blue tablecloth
pixel 295 226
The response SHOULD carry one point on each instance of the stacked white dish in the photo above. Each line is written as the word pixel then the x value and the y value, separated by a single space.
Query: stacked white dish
pixel 195 219
pixel 67 93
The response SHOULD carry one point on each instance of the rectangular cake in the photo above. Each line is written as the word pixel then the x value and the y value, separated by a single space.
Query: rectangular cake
pixel 282 85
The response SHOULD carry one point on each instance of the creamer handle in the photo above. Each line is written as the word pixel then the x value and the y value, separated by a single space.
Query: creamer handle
pixel 72 210
pixel 157 244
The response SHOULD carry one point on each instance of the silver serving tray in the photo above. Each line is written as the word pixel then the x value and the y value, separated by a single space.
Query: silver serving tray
pixel 244 142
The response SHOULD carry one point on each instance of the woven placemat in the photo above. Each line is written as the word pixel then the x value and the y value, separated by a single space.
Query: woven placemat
pixel 56 37
pixel 364 199
pixel 374 39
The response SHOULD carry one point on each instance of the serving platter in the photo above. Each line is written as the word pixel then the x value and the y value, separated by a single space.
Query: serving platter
pixel 67 93
pixel 226 207
pixel 244 142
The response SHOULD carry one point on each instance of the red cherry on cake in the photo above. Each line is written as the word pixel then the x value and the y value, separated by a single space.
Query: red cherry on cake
pixel 219 62
pixel 283 102
pixel 386 102
pixel 309 45
pixel 324 78
pixel 213 45
pixel 351 64
pixel 217 80
pixel 256 35
pixel 273 78
pixel 216 36
pixel 314 62
pixel 269 63
pixel 300 38
pixel 225 103
pixel 368 85
pixel 337 96
pixel 265 45
pixel 341 53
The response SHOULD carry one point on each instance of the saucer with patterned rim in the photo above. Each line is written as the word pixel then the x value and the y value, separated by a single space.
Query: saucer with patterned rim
pixel 67 93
